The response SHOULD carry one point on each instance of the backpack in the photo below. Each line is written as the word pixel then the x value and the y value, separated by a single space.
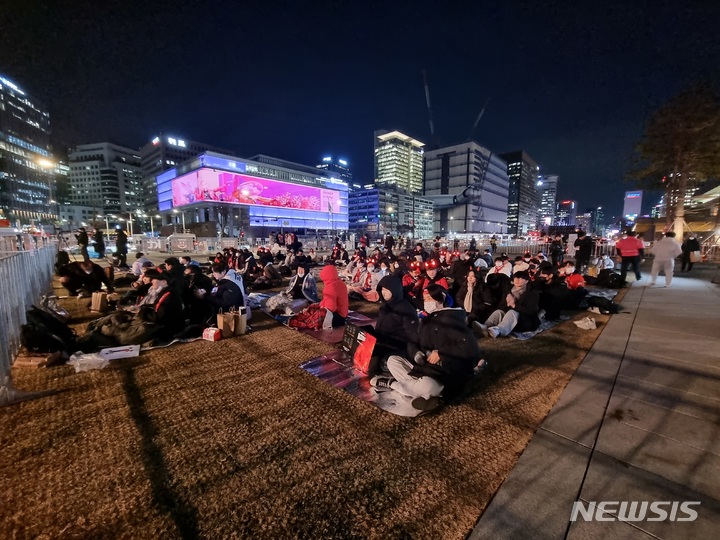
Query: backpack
pixel 603 304
pixel 44 332
pixel 609 279
pixel 61 259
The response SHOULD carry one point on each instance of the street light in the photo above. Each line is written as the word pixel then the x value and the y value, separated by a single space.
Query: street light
pixel 175 211
pixel 152 224
pixel 130 223
pixel 48 165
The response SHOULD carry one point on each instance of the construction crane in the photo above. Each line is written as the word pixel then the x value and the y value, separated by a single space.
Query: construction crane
pixel 429 108
pixel 477 120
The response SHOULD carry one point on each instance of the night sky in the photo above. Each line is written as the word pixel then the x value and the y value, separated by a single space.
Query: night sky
pixel 569 83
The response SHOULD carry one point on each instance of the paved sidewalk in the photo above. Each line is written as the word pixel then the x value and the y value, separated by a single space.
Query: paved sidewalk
pixel 639 421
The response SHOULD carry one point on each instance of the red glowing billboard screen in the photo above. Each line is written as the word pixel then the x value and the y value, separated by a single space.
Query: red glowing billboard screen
pixel 214 186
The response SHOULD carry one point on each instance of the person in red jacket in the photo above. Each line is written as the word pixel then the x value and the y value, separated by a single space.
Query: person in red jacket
pixel 332 309
pixel 630 250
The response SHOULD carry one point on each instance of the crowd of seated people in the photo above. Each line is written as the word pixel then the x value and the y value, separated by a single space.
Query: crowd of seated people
pixel 468 294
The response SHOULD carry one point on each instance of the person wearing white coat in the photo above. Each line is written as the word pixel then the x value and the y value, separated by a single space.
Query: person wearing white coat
pixel 665 251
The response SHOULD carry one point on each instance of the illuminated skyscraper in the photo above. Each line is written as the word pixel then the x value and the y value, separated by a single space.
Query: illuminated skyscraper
pixel 523 205
pixel 165 152
pixel 566 214
pixel 27 168
pixel 632 205
pixel 547 192
pixel 597 221
pixel 336 167
pixel 398 161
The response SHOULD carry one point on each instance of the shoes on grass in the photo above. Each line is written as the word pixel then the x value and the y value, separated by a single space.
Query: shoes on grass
pixel 480 367
pixel 381 383
pixel 427 404
pixel 480 329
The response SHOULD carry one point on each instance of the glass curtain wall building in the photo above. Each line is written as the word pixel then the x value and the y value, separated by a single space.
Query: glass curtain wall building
pixel 547 193
pixel 523 204
pixel 27 168
pixel 383 210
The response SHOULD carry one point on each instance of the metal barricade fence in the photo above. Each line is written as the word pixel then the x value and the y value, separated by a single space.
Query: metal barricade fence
pixel 24 277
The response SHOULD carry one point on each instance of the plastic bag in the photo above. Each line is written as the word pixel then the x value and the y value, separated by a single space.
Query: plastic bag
pixel 86 362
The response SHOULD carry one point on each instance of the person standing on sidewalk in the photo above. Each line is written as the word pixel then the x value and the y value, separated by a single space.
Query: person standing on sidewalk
pixel 83 240
pixel 689 246
pixel 629 248
pixel 665 252
pixel 584 246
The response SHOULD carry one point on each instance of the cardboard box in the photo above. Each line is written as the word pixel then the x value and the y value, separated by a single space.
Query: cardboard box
pixel 30 362
pixel 211 334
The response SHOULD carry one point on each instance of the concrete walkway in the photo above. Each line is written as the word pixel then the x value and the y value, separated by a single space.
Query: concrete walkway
pixel 639 421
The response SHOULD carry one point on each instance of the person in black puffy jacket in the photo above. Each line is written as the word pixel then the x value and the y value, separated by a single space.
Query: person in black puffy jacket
pixel 397 322
pixel 442 357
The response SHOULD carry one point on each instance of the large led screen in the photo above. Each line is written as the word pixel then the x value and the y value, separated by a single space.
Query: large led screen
pixel 214 186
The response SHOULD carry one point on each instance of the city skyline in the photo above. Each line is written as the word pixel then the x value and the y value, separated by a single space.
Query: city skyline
pixel 572 88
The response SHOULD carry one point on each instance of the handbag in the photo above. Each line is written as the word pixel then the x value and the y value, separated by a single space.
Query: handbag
pixel 695 257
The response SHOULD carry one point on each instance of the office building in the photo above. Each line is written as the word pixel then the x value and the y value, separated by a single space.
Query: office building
pixel 163 153
pixel 597 221
pixel 107 177
pixel 566 214
pixel 584 221
pixel 336 167
pixel 381 210
pixel 523 207
pixel 632 205
pixel 27 167
pixel 688 204
pixel 73 216
pixel 398 161
pixel 547 194
pixel 468 185
pixel 257 196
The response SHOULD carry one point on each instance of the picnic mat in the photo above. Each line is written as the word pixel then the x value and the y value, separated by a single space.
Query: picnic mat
pixel 331 336
pixel 605 293
pixel 545 325
pixel 336 369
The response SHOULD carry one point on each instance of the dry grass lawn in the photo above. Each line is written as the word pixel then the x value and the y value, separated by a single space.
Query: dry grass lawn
pixel 233 440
